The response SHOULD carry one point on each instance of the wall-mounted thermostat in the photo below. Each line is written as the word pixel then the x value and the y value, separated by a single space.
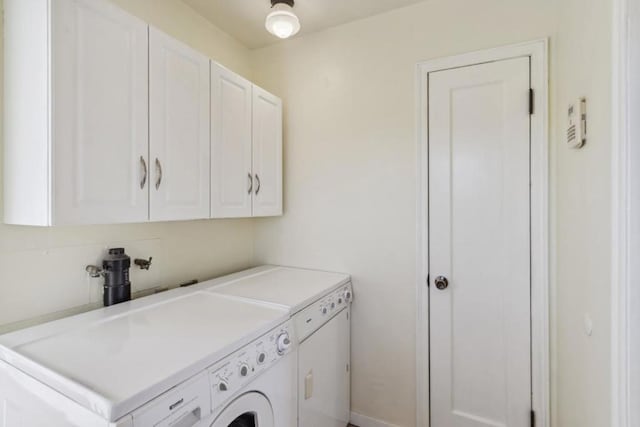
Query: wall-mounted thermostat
pixel 577 129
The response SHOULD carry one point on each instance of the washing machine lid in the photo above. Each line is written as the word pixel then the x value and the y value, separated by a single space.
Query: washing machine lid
pixel 293 288
pixel 115 359
pixel 253 404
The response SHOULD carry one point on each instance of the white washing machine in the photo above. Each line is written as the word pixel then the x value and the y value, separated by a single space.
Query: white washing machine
pixel 267 401
pixel 319 304
pixel 253 387
pixel 179 359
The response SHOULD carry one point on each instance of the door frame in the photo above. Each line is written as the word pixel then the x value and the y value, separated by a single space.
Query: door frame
pixel 625 166
pixel 538 52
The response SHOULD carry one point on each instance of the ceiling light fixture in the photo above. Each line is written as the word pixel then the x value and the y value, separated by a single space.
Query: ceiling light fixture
pixel 282 22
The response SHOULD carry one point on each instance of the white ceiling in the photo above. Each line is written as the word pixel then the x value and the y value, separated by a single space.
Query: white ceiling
pixel 244 19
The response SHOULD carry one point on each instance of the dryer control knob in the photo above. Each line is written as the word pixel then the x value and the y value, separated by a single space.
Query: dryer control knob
pixel 324 310
pixel 348 295
pixel 283 343
pixel 244 370
pixel 262 357
pixel 223 386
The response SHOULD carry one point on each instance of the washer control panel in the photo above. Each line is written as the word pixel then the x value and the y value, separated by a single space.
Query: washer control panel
pixel 317 314
pixel 234 372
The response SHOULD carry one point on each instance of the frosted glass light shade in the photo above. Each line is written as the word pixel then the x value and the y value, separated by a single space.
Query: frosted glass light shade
pixel 282 22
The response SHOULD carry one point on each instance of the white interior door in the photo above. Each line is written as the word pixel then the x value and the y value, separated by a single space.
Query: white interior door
pixel 100 114
pixel 323 375
pixel 179 130
pixel 479 228
pixel 231 174
pixel 267 153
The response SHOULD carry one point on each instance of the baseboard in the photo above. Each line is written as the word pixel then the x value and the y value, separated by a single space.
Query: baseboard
pixel 364 421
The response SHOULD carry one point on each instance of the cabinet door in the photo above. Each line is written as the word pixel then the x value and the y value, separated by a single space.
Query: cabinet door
pixel 179 130
pixel 267 153
pixel 231 175
pixel 324 377
pixel 100 114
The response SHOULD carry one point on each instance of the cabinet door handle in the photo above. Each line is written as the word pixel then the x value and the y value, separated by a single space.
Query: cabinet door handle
pixel 250 183
pixel 159 170
pixel 143 181
pixel 259 184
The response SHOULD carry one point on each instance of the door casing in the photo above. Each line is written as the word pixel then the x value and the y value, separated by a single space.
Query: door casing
pixel 538 52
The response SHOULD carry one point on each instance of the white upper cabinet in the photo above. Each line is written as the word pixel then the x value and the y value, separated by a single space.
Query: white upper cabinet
pixel 267 153
pixel 231 172
pixel 179 130
pixel 110 121
pixel 87 126
pixel 246 148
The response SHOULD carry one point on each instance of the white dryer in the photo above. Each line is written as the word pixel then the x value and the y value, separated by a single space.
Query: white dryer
pixel 319 304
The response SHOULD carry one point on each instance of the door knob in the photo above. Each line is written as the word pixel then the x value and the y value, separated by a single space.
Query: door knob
pixel 442 283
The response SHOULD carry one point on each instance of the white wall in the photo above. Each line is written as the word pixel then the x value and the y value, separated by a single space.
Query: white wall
pixel 41 270
pixel 350 181
pixel 583 217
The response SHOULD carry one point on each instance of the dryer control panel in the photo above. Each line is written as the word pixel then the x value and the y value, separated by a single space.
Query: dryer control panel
pixel 317 314
pixel 235 371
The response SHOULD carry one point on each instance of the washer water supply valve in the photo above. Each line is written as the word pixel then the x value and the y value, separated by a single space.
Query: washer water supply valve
pixel 143 263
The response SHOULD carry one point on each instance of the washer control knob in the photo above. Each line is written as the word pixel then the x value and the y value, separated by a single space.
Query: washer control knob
pixel 262 357
pixel 244 370
pixel 283 343
pixel 348 295
pixel 223 386
pixel 333 305
pixel 324 310
pixel 339 300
